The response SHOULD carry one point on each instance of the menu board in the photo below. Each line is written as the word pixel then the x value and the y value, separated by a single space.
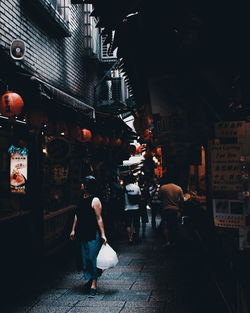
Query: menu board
pixel 226 167
pixel 18 172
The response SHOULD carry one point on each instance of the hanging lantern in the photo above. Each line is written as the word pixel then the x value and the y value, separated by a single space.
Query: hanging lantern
pixel 85 135
pixel 138 149
pixel 147 134
pixel 117 142
pixel 106 141
pixel 11 104
pixel 97 140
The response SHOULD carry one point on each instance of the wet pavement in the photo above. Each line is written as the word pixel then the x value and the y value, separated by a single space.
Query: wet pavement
pixel 147 279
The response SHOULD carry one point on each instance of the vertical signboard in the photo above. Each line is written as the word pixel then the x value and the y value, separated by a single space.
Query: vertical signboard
pixel 18 170
pixel 226 167
pixel 230 178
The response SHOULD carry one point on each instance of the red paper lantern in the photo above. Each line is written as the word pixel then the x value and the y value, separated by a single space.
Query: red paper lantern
pixel 138 150
pixel 97 140
pixel 85 135
pixel 106 141
pixel 117 142
pixel 11 104
pixel 147 134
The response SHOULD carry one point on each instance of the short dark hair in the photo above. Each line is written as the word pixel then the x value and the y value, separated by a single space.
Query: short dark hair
pixel 90 184
pixel 130 179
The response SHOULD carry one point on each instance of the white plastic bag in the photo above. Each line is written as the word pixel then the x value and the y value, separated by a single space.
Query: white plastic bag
pixel 106 257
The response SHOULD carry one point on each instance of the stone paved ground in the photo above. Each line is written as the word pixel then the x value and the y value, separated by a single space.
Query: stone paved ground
pixel 147 279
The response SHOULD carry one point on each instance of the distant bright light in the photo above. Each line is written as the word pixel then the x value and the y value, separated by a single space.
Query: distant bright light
pixel 131 14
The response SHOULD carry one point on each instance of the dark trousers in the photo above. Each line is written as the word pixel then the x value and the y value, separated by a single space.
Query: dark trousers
pixel 155 209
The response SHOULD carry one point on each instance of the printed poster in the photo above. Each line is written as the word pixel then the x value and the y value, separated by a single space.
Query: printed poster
pixel 18 172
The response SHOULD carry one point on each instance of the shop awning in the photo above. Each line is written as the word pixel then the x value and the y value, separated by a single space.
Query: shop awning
pixel 62 97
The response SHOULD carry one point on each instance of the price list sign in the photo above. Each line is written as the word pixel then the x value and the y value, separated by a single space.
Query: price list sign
pixel 226 167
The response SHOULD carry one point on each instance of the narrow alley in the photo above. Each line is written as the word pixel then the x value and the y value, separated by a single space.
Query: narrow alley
pixel 148 279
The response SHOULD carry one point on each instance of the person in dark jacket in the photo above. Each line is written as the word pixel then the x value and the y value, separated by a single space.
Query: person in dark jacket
pixel 88 227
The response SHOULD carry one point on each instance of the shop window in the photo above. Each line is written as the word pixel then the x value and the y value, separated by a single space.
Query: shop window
pixel 54 15
pixel 63 7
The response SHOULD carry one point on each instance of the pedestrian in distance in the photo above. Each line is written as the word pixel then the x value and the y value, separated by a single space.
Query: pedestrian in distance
pixel 172 198
pixel 132 196
pixel 88 228
pixel 143 204
pixel 155 203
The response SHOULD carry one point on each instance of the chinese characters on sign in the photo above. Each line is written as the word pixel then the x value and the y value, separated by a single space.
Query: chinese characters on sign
pixel 226 167
pixel 230 129
pixel 18 172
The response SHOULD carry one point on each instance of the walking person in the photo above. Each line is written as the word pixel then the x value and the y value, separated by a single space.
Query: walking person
pixel 172 197
pixel 143 205
pixel 88 227
pixel 155 202
pixel 132 197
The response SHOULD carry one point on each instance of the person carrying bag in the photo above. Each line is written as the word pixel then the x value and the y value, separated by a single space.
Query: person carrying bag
pixel 106 258
pixel 132 198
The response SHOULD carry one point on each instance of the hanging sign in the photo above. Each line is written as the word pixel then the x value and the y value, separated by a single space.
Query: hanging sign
pixel 230 129
pixel 18 169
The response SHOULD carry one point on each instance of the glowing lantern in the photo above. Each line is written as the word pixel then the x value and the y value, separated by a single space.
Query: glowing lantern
pixel 11 104
pixel 147 134
pixel 138 150
pixel 85 135
pixel 117 142
pixel 97 140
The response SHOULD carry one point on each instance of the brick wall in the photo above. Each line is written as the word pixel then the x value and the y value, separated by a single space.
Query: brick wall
pixel 56 59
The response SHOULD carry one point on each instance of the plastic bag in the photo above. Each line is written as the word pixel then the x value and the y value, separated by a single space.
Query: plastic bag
pixel 106 257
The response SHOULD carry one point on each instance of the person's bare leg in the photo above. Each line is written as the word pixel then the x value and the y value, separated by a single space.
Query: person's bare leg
pixel 130 234
pixel 94 284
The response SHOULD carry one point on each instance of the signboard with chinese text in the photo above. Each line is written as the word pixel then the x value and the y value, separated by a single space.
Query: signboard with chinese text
pixel 230 129
pixel 226 167
pixel 18 172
